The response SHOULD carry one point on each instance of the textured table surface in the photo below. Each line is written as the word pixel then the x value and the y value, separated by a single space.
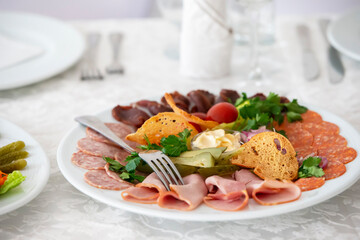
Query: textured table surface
pixel 47 109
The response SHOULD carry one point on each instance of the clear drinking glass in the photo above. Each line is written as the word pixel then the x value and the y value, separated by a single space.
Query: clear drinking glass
pixel 253 10
pixel 171 10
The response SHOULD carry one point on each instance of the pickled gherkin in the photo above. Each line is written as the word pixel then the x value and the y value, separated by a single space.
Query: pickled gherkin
pixel 11 147
pixel 12 156
pixel 218 170
pixel 14 165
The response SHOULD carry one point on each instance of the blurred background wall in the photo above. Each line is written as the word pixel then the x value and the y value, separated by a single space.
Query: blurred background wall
pixel 94 9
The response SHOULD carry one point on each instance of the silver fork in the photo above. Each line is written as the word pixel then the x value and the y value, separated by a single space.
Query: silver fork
pixel 115 67
pixel 157 160
pixel 89 70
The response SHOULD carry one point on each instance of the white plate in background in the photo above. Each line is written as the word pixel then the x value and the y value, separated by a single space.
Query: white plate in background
pixel 36 172
pixel 63 46
pixel 344 34
pixel 331 188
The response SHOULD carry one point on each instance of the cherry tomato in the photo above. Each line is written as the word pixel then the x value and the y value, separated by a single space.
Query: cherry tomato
pixel 222 113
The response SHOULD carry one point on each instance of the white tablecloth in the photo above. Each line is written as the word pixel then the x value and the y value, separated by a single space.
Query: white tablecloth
pixel 47 109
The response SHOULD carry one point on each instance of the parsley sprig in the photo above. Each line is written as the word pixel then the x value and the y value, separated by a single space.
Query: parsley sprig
pixel 310 168
pixel 255 112
pixel 172 146
pixel 127 172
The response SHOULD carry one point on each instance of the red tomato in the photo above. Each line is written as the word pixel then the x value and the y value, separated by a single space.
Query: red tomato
pixel 223 112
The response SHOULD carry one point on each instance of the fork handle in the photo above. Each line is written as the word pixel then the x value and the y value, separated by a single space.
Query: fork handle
pixel 99 126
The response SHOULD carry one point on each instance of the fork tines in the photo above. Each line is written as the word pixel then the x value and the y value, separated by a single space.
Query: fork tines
pixel 163 167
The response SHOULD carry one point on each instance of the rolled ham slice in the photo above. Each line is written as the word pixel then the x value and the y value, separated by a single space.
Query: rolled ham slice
pixel 185 197
pixel 225 194
pixel 146 192
pixel 272 192
pixel 250 180
pixel 268 192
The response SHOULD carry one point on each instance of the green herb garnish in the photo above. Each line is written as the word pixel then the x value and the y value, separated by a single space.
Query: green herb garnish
pixel 310 168
pixel 127 172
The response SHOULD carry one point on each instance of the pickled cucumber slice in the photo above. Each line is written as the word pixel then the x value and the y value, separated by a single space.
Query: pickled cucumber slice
pixel 11 147
pixel 14 165
pixel 12 156
pixel 204 159
pixel 185 170
pixel 218 170
pixel 225 157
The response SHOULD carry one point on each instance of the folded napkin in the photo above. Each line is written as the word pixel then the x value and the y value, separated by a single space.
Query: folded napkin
pixel 14 52
pixel 206 40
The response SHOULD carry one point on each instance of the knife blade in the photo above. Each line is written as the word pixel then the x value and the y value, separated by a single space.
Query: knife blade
pixel 309 60
pixel 335 66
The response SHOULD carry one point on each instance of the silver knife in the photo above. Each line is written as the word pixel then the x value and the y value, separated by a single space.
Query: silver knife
pixel 335 65
pixel 310 63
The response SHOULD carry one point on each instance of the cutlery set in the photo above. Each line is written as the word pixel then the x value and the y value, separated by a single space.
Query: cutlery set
pixel 310 62
pixel 90 70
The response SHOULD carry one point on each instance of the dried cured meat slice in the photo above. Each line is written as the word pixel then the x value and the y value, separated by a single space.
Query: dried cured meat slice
pixel 305 151
pixel 227 95
pixel 86 161
pixel 311 116
pixel 98 149
pixel 100 179
pixel 180 101
pixel 129 115
pixel 152 107
pixel 343 154
pixel 200 100
pixel 120 129
pixel 334 169
pixel 326 140
pixel 307 184
pixel 300 137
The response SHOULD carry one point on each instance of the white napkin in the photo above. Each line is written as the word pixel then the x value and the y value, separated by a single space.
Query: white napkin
pixel 13 52
pixel 206 40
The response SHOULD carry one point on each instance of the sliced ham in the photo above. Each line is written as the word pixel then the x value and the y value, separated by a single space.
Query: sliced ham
pixel 250 180
pixel 272 192
pixel 146 192
pixel 100 179
pixel 98 149
pixel 120 129
pixel 268 192
pixel 185 197
pixel 86 161
pixel 225 194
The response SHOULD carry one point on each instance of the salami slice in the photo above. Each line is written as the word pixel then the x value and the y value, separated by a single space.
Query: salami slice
pixel 343 154
pixel 334 169
pixel 311 116
pixel 121 156
pixel 307 184
pixel 86 161
pixel 320 128
pixel 120 129
pixel 305 151
pixel 98 149
pixel 112 174
pixel 100 179
pixel 300 137
pixel 326 140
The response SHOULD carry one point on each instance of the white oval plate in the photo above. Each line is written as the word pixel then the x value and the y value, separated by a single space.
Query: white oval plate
pixel 63 46
pixel 36 172
pixel 343 34
pixel 331 188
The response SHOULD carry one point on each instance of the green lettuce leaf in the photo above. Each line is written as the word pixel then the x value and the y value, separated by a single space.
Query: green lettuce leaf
pixel 13 180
